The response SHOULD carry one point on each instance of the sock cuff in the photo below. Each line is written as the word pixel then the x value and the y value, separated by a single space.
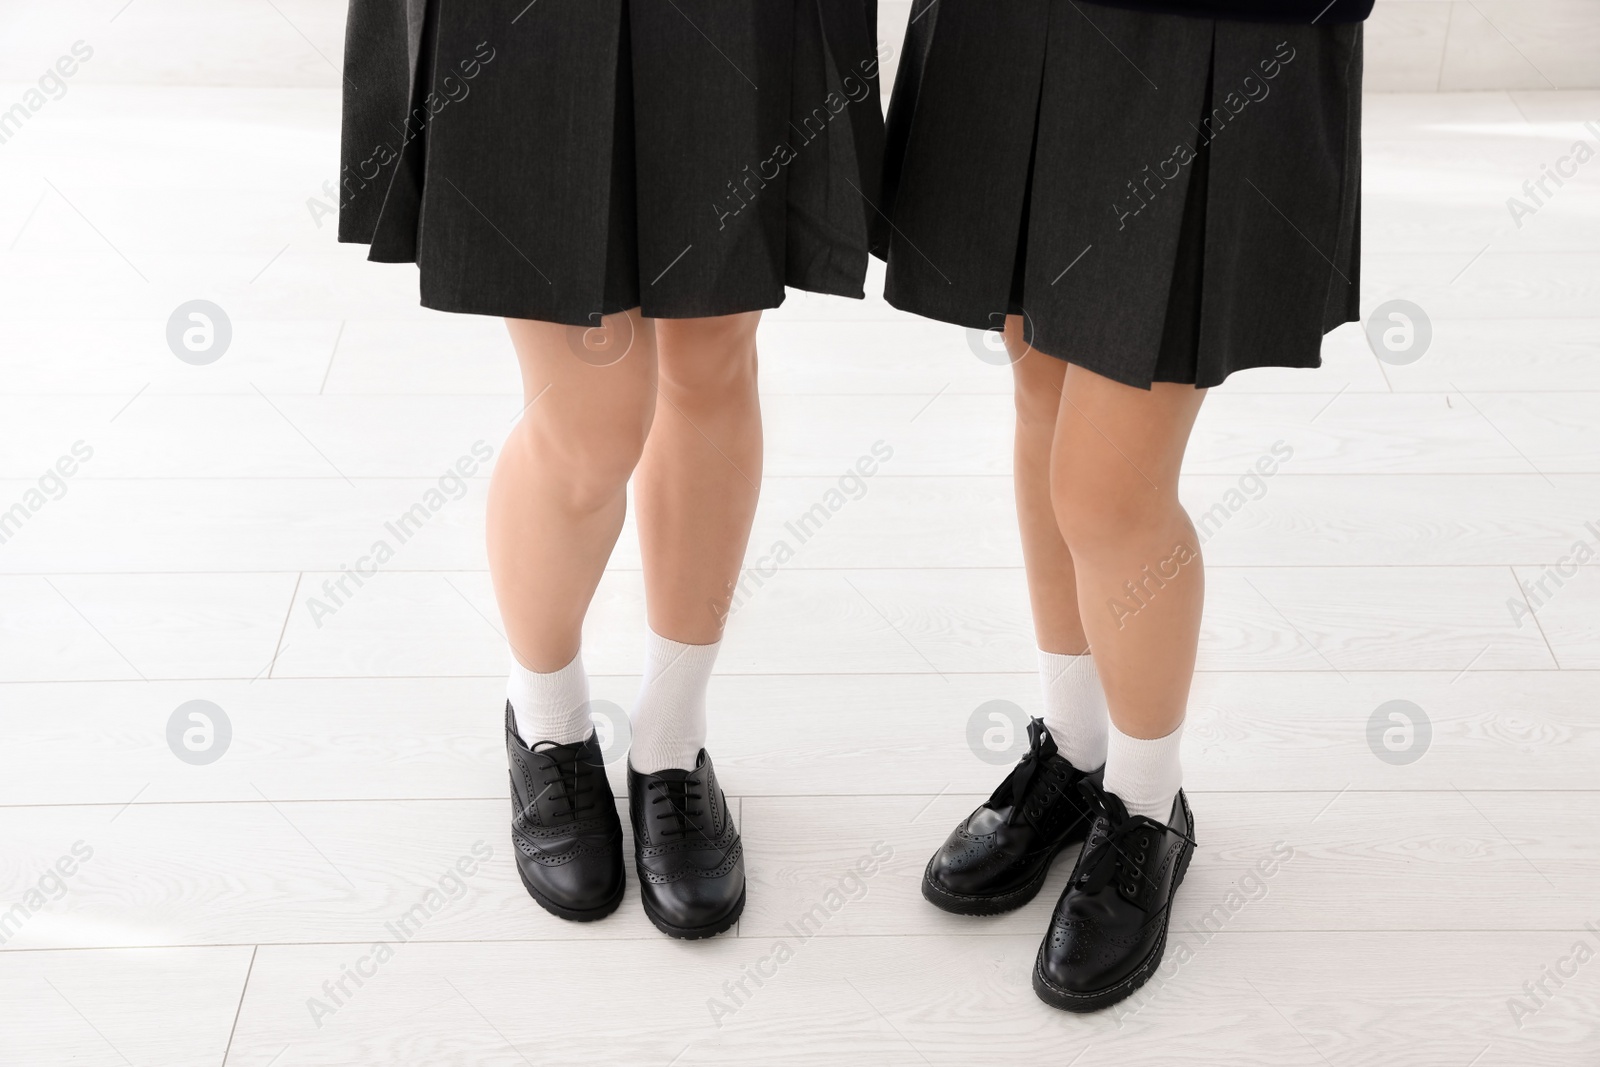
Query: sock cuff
pixel 1146 744
pixel 1074 707
pixel 1145 773
pixel 1057 665
pixel 669 718
pixel 663 655
pixel 550 706
pixel 545 686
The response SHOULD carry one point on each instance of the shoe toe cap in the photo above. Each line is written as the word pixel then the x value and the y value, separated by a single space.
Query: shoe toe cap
pixel 694 902
pixel 1080 957
pixel 582 883
pixel 971 864
pixel 954 871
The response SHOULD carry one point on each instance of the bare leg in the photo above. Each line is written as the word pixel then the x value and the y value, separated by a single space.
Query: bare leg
pixel 1114 481
pixel 558 495
pixel 700 478
pixel 1141 586
pixel 1052 586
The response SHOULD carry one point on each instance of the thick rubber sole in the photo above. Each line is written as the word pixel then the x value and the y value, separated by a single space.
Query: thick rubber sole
pixel 1068 1000
pixel 577 915
pixel 991 904
pixel 692 933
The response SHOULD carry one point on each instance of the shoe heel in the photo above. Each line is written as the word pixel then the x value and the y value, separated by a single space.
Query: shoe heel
pixel 1183 861
pixel 1188 849
pixel 1183 867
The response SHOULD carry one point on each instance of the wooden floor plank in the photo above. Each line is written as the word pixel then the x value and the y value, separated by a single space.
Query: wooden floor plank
pixel 1435 999
pixel 282 872
pixel 113 1007
pixel 784 735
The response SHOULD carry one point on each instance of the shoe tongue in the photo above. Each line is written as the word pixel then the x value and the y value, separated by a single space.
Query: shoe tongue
pixel 545 748
pixel 673 774
pixel 1121 816
pixel 1115 808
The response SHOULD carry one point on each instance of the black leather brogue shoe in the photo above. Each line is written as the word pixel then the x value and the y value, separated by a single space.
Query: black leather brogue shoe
pixel 686 850
pixel 998 857
pixel 1109 928
pixel 564 826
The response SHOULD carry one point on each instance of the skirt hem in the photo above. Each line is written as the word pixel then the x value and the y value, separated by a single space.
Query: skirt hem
pixel 1106 368
pixel 492 309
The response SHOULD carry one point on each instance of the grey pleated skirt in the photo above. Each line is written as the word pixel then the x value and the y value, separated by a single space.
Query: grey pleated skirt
pixel 565 159
pixel 1164 198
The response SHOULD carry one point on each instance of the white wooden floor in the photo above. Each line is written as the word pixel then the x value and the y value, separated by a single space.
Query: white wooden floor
pixel 1420 903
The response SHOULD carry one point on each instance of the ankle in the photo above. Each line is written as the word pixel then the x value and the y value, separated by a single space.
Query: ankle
pixel 669 717
pixel 1075 707
pixel 1145 773
pixel 550 706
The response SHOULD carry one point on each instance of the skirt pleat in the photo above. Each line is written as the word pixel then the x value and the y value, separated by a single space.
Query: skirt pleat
pixel 833 182
pixel 1164 198
pixel 963 116
pixel 574 158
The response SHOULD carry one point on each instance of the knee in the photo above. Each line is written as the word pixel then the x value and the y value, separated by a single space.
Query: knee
pixel 1102 508
pixel 1037 393
pixel 587 464
pixel 708 362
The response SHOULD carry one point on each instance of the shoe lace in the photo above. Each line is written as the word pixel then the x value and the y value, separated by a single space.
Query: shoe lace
pixel 569 780
pixel 678 794
pixel 1119 842
pixel 1020 782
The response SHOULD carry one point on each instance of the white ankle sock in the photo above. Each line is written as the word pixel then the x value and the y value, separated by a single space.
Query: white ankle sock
pixel 550 707
pixel 1144 774
pixel 669 718
pixel 1075 707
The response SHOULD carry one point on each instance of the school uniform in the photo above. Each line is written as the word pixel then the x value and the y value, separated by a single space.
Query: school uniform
pixel 1165 191
pixel 565 159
